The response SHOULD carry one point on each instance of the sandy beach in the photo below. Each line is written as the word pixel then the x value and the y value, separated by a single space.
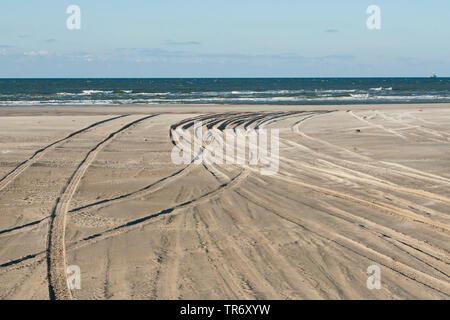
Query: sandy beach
pixel 95 187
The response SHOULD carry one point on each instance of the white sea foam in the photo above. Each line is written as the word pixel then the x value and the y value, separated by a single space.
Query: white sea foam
pixel 336 91
pixel 220 100
pixel 91 92
pixel 150 94
pixel 381 89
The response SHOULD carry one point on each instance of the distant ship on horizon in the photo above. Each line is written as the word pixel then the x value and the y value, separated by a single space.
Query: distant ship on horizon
pixel 433 75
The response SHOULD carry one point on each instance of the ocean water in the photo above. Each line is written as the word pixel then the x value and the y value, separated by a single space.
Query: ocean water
pixel 79 92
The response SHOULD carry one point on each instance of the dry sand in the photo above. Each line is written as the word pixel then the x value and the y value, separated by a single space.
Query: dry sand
pixel 96 188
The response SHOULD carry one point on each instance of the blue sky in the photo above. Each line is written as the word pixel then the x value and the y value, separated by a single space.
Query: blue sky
pixel 228 38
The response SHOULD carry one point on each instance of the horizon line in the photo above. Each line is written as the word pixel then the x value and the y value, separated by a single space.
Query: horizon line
pixel 173 78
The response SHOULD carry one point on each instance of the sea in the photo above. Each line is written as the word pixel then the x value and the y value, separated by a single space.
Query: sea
pixel 208 91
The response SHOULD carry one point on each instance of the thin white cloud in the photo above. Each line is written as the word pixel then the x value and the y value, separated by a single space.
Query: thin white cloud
pixel 182 43
pixel 36 53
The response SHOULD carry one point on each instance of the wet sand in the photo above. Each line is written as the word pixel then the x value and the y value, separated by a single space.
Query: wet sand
pixel 96 187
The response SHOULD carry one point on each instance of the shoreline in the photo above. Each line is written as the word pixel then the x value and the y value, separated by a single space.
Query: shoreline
pixel 185 108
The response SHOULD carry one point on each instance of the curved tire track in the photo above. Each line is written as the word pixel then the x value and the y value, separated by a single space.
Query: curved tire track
pixel 8 178
pixel 56 259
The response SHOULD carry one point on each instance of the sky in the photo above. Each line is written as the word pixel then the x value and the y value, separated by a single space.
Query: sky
pixel 228 38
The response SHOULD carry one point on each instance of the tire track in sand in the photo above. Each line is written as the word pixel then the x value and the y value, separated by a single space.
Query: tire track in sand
pixel 378 126
pixel 155 186
pixel 56 260
pixel 436 284
pixel 402 169
pixel 34 258
pixel 8 178
pixel 131 225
